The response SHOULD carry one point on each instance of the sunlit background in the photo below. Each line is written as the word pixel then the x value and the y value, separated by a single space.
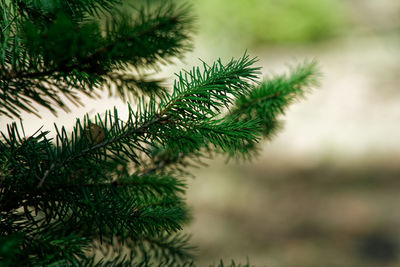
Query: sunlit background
pixel 326 190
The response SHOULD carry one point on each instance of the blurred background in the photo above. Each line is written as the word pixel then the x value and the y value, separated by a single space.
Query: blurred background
pixel 326 190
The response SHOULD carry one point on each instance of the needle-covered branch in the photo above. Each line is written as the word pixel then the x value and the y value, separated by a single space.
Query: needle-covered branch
pixel 183 120
pixel 69 56
pixel 273 96
pixel 261 106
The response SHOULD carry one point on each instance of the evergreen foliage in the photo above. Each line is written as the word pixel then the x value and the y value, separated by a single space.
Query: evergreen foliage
pixel 111 192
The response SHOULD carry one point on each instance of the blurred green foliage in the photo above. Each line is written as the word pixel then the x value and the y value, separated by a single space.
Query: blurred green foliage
pixel 271 21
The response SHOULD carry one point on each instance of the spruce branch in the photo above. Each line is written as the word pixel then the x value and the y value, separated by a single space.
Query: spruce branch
pixel 125 85
pixel 159 250
pixel 273 96
pixel 195 97
pixel 111 211
pixel 77 9
pixel 263 103
pixel 140 42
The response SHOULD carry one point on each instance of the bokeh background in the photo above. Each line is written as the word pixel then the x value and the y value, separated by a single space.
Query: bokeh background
pixel 326 190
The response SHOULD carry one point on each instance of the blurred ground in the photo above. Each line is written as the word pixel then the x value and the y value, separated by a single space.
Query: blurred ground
pixel 285 214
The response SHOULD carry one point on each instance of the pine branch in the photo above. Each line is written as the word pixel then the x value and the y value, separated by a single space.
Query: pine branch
pixel 171 250
pixel 144 186
pixel 122 35
pixel 72 186
pixel 160 250
pixel 77 9
pixel 125 85
pixel 264 102
pixel 111 211
pixel 273 97
pixel 194 98
pixel 41 59
pixel 60 248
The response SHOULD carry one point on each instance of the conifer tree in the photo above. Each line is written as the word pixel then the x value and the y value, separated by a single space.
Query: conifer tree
pixel 111 192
